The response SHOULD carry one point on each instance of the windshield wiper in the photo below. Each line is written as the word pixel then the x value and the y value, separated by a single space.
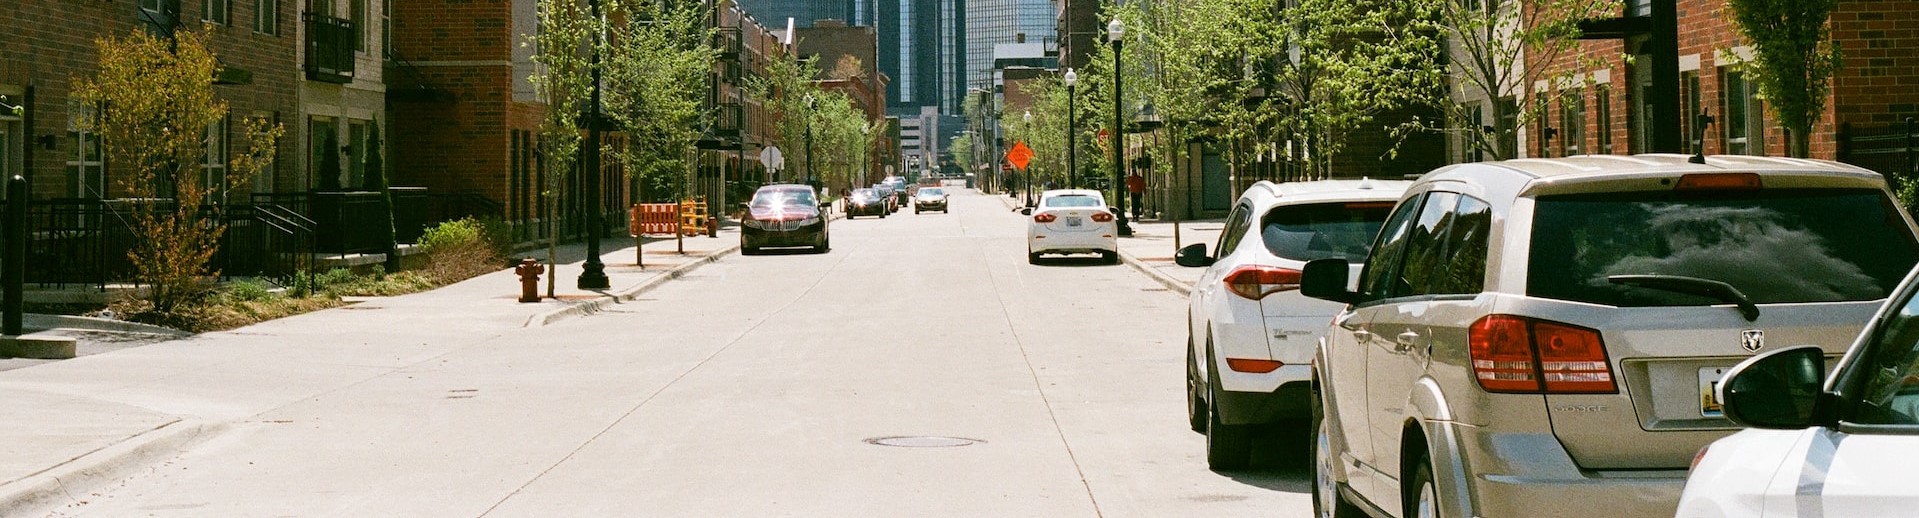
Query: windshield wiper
pixel 1693 286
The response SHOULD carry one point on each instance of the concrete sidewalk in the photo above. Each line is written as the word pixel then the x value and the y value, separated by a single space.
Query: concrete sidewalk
pixel 69 426
pixel 1150 250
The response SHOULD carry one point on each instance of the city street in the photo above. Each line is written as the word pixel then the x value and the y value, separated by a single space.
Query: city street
pixel 765 385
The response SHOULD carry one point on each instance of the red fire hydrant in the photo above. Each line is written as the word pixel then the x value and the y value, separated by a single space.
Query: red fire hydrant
pixel 529 271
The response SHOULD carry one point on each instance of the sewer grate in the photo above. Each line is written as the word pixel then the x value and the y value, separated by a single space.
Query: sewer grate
pixel 923 441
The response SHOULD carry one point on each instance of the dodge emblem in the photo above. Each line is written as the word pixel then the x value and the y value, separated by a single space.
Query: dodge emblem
pixel 1752 339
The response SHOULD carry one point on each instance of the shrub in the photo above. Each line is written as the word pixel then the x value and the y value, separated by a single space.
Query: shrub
pixel 457 250
pixel 245 291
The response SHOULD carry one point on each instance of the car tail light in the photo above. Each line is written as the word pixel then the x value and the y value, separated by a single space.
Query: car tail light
pixel 1522 355
pixel 1719 182
pixel 1045 217
pixel 1253 366
pixel 1256 282
pixel 1102 217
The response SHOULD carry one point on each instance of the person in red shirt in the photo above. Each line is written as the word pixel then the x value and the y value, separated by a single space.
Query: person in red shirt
pixel 1136 186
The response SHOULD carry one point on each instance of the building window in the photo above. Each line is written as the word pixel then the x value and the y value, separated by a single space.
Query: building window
pixel 359 25
pixel 213 168
pixel 1543 112
pixel 386 28
pixel 214 11
pixel 1689 110
pixel 86 171
pixel 1572 122
pixel 159 17
pixel 356 152
pixel 1473 122
pixel 263 178
pixel 1602 115
pixel 1744 124
pixel 266 16
pixel 1639 104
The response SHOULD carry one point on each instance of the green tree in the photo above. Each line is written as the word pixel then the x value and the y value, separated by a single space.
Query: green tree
pixel 1793 59
pixel 155 104
pixel 560 49
pixel 1497 51
pixel 656 78
pixel 784 90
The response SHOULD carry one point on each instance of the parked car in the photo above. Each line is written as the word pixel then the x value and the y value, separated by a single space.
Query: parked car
pixel 866 202
pixel 930 198
pixel 1071 221
pixel 783 215
pixel 1540 337
pixel 1250 333
pixel 1838 444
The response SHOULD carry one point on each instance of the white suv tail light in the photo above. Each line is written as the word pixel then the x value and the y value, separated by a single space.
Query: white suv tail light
pixel 1513 354
pixel 1256 282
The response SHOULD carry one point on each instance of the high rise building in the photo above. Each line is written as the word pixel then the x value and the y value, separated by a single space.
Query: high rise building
pixel 994 22
pixel 775 12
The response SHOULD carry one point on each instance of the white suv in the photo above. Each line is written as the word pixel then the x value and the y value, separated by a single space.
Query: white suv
pixel 1541 338
pixel 1251 333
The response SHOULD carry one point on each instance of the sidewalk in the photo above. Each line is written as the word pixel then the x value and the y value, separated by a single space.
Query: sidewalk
pixel 69 426
pixel 1153 244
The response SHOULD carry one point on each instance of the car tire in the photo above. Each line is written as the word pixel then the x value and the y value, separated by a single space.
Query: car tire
pixel 1327 502
pixel 1422 495
pixel 1109 257
pixel 1195 398
pixel 749 250
pixel 1032 258
pixel 1228 447
pixel 883 214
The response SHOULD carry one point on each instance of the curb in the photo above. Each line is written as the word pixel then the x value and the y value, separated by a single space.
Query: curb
pixel 626 294
pixel 44 321
pixel 1176 285
pixel 70 481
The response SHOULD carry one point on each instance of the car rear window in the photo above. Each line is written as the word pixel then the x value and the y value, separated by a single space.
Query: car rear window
pixel 1773 245
pixel 1072 200
pixel 1323 230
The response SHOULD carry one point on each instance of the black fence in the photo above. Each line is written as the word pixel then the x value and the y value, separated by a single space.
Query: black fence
pixel 87 241
pixel 1890 149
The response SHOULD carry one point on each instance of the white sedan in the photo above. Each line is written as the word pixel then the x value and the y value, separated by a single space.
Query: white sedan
pixel 1072 221
pixel 1823 445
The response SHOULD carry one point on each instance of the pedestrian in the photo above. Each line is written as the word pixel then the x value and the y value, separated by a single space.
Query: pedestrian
pixel 1136 186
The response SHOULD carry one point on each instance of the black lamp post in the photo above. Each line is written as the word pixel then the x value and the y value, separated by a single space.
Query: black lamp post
pixel 1115 31
pixel 593 273
pixel 1028 170
pixel 811 104
pixel 1072 150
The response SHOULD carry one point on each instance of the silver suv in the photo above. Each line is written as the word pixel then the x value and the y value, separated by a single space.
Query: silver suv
pixel 1542 337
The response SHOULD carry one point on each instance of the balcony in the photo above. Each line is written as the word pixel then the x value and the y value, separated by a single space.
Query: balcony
pixel 726 40
pixel 728 120
pixel 330 43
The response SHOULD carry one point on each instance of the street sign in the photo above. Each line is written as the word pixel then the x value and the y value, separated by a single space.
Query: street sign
pixel 771 158
pixel 1020 155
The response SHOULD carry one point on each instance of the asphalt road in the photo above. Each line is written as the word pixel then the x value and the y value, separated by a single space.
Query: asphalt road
pixel 756 386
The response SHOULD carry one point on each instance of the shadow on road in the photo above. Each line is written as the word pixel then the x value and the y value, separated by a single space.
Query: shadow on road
pixel 1073 260
pixel 1280 462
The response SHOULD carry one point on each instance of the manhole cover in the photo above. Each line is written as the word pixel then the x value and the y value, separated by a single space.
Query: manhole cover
pixel 922 441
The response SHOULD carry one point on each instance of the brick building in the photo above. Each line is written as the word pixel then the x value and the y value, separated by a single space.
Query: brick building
pixel 848 59
pixel 45 44
pixel 1603 110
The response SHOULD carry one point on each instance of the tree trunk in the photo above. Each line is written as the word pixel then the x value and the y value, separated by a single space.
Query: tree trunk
pixel 1799 142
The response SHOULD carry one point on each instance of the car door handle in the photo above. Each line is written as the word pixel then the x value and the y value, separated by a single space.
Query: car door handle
pixel 1406 341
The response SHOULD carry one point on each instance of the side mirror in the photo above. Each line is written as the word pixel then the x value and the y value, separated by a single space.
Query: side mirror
pixel 1325 279
pixel 1193 256
pixel 1779 390
pixel 1026 211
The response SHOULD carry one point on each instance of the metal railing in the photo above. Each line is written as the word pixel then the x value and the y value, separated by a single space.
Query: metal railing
pixel 330 43
pixel 1892 149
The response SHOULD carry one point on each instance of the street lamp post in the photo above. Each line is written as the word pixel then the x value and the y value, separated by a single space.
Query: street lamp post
pixel 1072 150
pixel 593 273
pixel 1115 31
pixel 811 105
pixel 1028 171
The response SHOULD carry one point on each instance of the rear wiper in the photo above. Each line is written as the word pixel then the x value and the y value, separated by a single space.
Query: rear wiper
pixel 1693 286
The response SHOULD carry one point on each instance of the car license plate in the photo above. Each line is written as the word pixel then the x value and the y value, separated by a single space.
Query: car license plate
pixel 1072 221
pixel 1708 385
